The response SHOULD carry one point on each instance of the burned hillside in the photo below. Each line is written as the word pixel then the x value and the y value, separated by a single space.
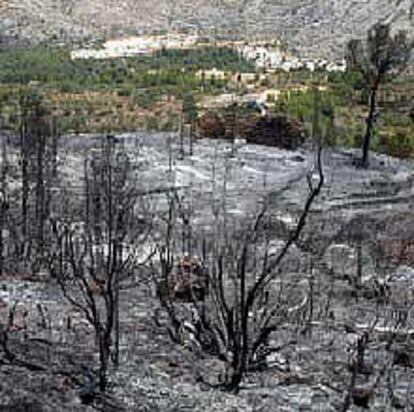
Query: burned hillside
pixel 339 302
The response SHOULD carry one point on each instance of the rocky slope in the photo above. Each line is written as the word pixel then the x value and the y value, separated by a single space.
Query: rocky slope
pixel 317 27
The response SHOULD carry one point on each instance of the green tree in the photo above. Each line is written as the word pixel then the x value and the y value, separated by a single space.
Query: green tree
pixel 378 59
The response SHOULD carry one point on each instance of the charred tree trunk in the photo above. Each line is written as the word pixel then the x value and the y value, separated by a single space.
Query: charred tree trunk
pixel 3 203
pixel 117 252
pixel 370 125
pixel 104 345
pixel 24 156
pixel 40 193
pixel 54 147
pixel 191 139
pixel 2 219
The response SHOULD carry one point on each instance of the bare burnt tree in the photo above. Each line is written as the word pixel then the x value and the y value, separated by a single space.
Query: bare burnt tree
pixel 4 199
pixel 92 256
pixel 378 59
pixel 38 136
pixel 231 290
pixel 190 114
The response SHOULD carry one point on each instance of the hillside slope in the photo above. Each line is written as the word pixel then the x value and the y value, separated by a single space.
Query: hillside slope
pixel 317 27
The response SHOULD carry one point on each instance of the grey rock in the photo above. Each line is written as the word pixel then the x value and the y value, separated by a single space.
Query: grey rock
pixel 313 28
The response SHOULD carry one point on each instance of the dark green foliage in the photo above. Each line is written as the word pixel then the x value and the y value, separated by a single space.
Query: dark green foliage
pixel 238 109
pixel 45 65
pixel 222 58
pixel 173 67
pixel 343 85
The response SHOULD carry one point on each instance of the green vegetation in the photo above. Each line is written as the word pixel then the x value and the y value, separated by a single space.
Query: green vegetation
pixel 190 107
pixel 221 58
pixel 132 85
pixel 170 68
pixel 152 91
pixel 305 105
pixel 378 59
pixel 342 110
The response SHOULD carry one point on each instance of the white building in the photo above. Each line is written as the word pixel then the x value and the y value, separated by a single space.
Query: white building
pixel 273 58
pixel 139 45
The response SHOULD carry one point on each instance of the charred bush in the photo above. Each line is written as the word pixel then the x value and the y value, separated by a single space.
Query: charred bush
pixel 361 397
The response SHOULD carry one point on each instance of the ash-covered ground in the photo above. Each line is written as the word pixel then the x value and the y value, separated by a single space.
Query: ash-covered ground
pixel 311 369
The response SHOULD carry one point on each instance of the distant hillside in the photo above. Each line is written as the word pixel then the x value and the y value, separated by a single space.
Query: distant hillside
pixel 316 27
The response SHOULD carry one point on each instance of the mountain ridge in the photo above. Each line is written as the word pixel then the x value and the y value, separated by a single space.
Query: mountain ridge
pixel 319 28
